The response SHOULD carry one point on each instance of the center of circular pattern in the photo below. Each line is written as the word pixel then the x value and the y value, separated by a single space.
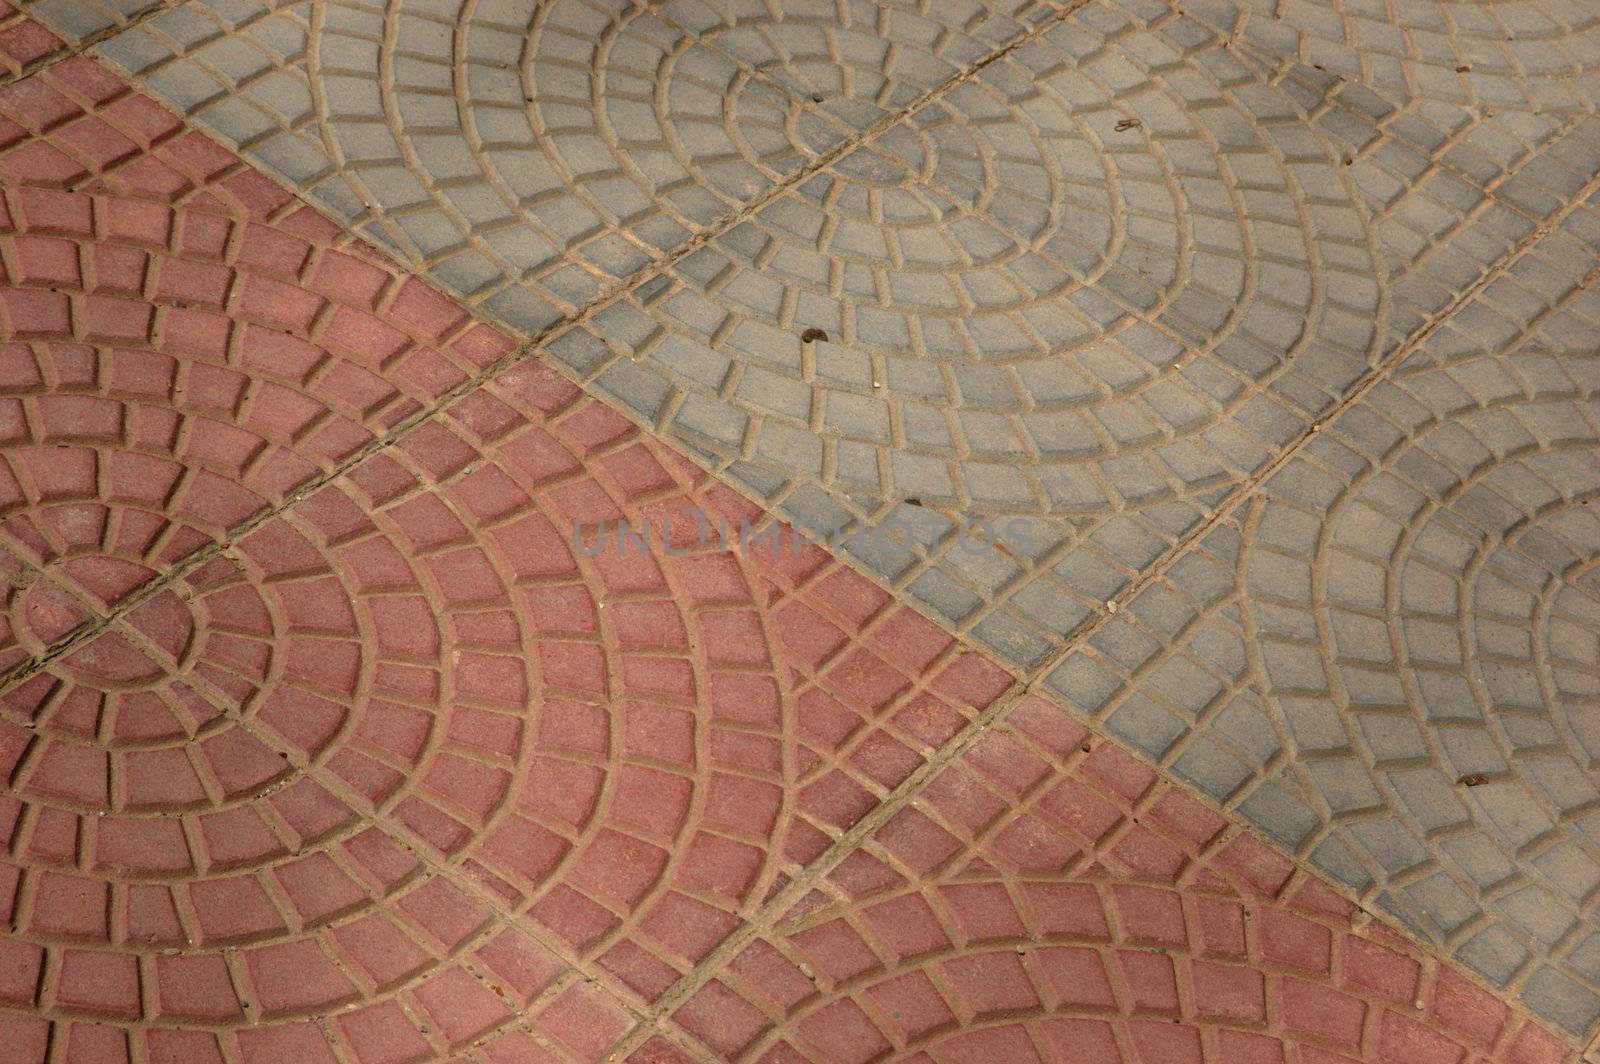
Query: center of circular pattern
pixel 1454 688
pixel 934 212
pixel 1038 290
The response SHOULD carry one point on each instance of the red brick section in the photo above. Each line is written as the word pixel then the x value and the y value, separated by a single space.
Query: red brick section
pixel 323 742
pixel 1047 898
pixel 616 755
pixel 629 749
pixel 182 345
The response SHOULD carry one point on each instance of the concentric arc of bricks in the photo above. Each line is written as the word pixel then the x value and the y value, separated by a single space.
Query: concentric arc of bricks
pixel 295 530
pixel 1046 897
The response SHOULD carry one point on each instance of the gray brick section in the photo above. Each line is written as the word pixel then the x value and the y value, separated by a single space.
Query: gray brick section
pixel 1387 659
pixel 1073 368
pixel 1518 56
pixel 76 20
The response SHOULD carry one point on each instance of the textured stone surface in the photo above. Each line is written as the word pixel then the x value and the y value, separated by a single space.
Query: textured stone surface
pixel 24 42
pixel 1227 369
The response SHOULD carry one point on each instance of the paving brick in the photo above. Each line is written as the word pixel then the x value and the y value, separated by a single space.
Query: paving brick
pixel 1540 58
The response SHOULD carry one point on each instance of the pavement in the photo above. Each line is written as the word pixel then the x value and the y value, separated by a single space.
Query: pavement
pixel 971 530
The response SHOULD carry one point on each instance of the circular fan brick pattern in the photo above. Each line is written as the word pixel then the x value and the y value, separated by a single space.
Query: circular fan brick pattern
pixel 1047 899
pixel 1042 292
pixel 1389 661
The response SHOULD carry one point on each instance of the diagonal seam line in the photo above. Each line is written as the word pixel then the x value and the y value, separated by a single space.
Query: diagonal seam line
pixel 1033 679
pixel 1448 939
pixel 1375 376
pixel 524 351
pixel 1195 861
pixel 69 49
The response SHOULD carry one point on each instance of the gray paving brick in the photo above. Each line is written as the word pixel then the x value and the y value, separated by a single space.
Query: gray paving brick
pixel 1562 999
pixel 79 19
pixel 1392 615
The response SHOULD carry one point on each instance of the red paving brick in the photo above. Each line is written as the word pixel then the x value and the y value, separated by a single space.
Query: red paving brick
pixel 24 43
pixel 322 742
